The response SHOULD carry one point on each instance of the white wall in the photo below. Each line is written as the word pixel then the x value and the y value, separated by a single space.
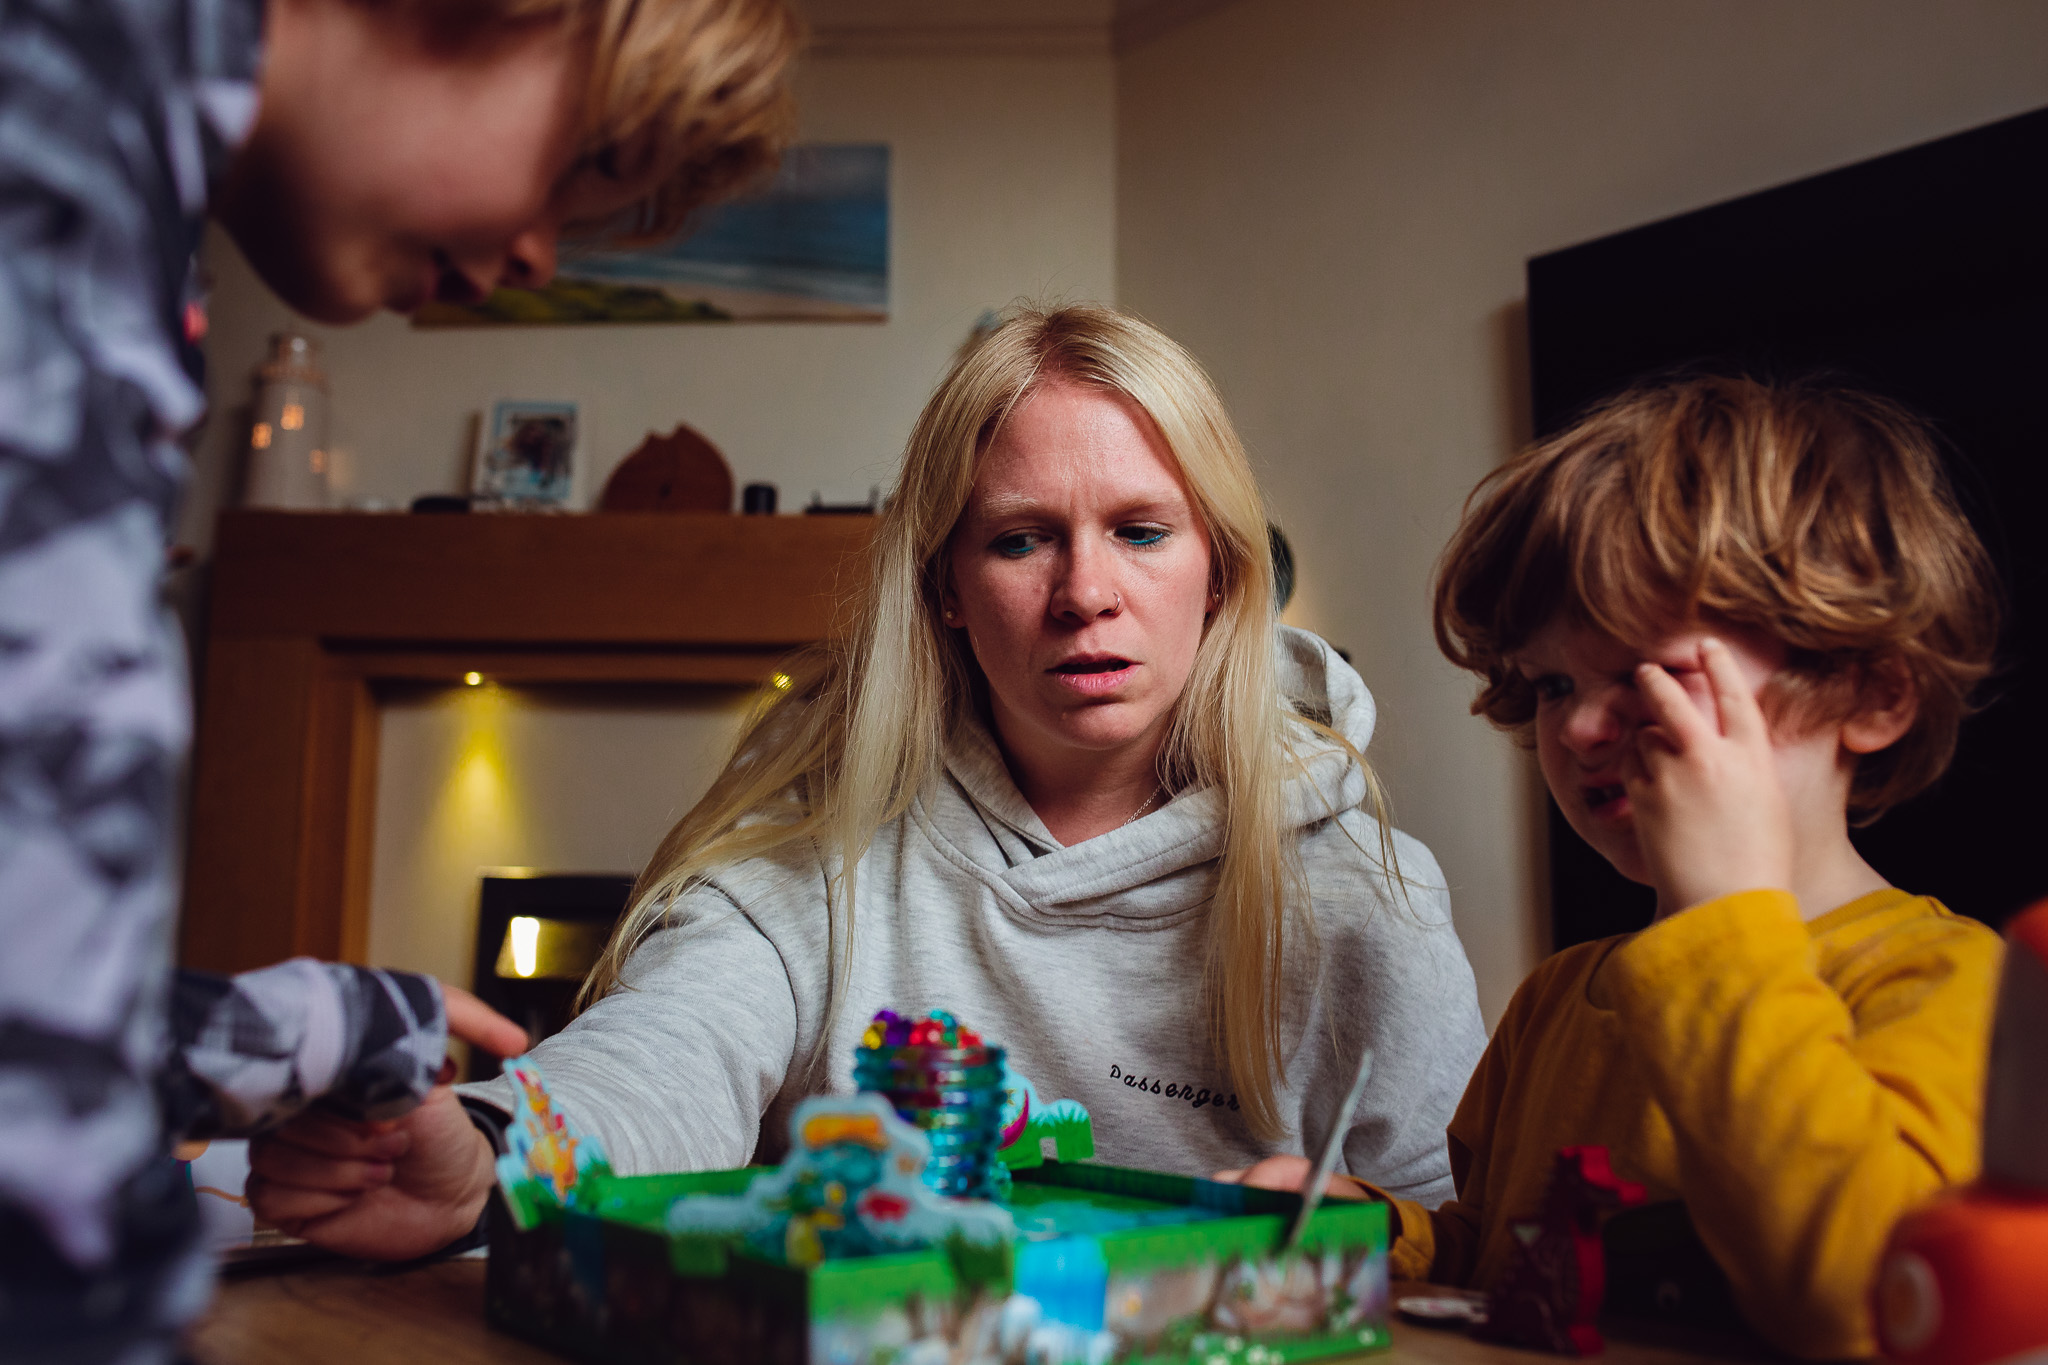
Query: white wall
pixel 1331 202
pixel 474 778
pixel 1002 185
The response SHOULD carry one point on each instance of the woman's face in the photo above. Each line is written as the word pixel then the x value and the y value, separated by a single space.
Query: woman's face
pixel 1080 572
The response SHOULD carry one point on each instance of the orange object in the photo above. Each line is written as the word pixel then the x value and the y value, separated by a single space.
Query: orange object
pixel 1964 1281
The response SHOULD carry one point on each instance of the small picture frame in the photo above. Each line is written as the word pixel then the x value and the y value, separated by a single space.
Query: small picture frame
pixel 526 456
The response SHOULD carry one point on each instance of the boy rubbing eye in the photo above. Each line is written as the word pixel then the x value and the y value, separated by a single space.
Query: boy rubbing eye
pixel 365 154
pixel 1732 617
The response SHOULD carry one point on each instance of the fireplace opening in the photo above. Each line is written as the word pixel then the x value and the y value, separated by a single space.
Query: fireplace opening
pixel 537 936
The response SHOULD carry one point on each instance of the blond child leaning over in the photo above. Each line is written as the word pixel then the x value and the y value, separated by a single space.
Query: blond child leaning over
pixel 1732 617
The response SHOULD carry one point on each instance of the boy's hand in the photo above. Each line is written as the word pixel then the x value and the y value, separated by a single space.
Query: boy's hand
pixel 471 1020
pixel 1711 817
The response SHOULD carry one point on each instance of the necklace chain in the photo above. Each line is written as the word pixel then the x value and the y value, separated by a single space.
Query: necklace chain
pixel 1157 792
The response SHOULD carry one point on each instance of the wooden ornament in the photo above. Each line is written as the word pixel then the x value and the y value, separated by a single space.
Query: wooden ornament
pixel 679 472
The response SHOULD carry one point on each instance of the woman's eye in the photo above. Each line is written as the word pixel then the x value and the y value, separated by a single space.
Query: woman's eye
pixel 1016 546
pixel 1551 686
pixel 1141 535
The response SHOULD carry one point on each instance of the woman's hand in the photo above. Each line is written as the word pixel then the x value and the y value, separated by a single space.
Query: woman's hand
pixel 392 1190
pixel 1711 816
pixel 1290 1173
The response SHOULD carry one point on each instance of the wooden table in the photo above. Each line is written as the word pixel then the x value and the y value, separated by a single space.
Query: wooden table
pixel 337 1313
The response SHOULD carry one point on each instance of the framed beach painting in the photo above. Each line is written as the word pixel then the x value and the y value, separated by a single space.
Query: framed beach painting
pixel 810 246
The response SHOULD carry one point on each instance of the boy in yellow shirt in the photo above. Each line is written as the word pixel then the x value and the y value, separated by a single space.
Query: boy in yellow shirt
pixel 1732 617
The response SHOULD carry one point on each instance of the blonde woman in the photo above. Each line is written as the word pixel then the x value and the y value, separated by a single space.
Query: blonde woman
pixel 1066 777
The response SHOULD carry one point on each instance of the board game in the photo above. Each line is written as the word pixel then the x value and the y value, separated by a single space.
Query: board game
pixel 941 1217
pixel 1179 1269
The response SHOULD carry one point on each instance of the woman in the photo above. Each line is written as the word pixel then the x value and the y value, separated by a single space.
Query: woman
pixel 1067 778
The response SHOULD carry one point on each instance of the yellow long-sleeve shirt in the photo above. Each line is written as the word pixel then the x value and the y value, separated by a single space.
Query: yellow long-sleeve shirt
pixel 1798 1085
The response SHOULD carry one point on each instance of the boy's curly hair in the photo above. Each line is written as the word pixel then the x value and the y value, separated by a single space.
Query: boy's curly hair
pixel 1817 514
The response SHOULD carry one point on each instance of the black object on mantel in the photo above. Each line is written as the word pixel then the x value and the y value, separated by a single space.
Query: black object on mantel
pixel 441 502
pixel 758 500
pixel 820 508
pixel 1923 276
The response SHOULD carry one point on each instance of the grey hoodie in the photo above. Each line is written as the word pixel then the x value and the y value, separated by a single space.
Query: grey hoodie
pixel 1084 961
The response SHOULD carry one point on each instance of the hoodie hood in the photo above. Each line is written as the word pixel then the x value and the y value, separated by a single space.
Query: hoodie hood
pixel 1158 869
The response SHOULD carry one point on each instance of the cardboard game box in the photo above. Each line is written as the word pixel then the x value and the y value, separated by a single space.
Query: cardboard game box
pixel 842 1256
pixel 611 1283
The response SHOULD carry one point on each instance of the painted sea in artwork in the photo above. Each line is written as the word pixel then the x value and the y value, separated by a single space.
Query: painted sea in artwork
pixel 811 246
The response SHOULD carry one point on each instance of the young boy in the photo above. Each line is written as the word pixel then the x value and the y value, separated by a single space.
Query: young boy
pixel 1732 617
pixel 364 154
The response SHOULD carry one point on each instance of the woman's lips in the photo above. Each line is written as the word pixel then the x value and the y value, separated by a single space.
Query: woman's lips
pixel 1093 677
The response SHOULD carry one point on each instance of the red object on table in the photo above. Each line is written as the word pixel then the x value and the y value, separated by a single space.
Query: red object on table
pixel 1964 1280
pixel 1551 1292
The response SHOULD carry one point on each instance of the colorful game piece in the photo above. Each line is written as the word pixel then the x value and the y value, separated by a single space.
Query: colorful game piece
pixel 1551 1292
pixel 853 1185
pixel 946 1081
pixel 550 1160
pixel 1027 1123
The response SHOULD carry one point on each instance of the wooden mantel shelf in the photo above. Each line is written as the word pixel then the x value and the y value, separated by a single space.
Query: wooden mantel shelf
pixel 310 611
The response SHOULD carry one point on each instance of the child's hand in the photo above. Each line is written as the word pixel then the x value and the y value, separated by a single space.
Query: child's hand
pixel 1711 817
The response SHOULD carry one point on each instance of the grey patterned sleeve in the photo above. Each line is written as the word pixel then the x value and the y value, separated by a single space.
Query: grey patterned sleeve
pixel 258 1047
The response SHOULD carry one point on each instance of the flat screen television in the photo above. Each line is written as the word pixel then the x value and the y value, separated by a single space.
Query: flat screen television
pixel 1922 275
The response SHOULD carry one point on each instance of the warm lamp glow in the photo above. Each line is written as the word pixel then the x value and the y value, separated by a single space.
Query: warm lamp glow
pixel 473 679
pixel 782 681
pixel 524 935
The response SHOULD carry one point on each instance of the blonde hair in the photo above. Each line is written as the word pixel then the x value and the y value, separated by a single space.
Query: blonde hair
pixel 690 96
pixel 1814 513
pixel 863 729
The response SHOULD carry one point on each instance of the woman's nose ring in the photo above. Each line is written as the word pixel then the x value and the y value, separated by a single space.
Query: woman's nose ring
pixel 1117 610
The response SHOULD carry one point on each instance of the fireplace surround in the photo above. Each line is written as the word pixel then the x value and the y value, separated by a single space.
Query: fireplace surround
pixel 310 614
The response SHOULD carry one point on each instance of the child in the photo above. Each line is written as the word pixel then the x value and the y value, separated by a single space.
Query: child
pixel 1733 617
pixel 363 155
